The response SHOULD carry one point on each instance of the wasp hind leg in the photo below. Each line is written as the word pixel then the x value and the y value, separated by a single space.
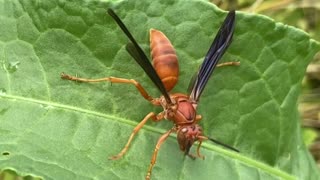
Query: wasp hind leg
pixel 142 91
pixel 152 116
pixel 232 63
pixel 155 152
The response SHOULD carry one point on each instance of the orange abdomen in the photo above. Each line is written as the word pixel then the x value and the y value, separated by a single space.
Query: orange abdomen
pixel 164 59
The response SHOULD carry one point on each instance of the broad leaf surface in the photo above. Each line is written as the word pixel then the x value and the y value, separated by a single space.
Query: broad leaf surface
pixel 59 129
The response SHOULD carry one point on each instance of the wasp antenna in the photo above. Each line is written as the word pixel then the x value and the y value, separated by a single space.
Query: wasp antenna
pixel 224 145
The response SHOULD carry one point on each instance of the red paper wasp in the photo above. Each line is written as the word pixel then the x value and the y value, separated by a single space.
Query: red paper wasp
pixel 177 107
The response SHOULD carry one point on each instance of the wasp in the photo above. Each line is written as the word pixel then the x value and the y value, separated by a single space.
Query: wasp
pixel 179 108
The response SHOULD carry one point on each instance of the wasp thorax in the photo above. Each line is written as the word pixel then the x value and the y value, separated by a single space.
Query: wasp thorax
pixel 187 110
pixel 187 135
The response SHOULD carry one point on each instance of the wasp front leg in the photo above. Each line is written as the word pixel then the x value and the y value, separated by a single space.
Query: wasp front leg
pixel 192 156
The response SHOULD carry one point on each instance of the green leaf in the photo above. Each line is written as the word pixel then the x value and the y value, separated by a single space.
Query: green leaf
pixel 59 129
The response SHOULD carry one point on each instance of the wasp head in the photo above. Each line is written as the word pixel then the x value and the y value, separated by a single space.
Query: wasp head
pixel 187 135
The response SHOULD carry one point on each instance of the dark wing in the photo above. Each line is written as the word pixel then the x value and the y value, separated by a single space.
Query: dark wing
pixel 217 49
pixel 139 56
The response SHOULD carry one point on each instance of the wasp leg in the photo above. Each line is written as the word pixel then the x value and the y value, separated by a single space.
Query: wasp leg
pixel 155 152
pixel 192 156
pixel 198 118
pixel 142 91
pixel 198 151
pixel 152 116
pixel 232 63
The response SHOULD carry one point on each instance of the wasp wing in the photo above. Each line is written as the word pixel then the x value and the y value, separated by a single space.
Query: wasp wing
pixel 217 49
pixel 139 56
